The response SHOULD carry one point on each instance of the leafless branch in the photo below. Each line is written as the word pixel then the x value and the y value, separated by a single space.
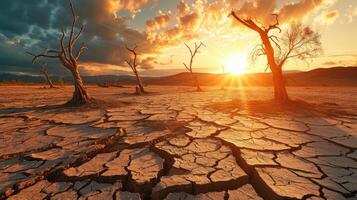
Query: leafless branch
pixel 43 67
pixel 193 52
pixel 274 26
pixel 301 43
pixel 133 65
pixel 189 48
pixel 186 67
pixel 81 49
pixel 37 56
pixel 69 60
pixel 247 22
pixel 81 30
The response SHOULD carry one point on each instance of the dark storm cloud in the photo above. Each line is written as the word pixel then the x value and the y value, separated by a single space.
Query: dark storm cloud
pixel 17 15
pixel 36 24
pixel 23 26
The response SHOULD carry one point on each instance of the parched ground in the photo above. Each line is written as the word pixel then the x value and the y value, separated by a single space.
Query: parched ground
pixel 171 144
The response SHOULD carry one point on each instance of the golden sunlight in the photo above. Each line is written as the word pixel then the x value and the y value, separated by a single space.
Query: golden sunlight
pixel 237 65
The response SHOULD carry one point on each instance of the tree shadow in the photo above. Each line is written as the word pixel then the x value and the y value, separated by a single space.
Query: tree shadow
pixel 135 94
pixel 293 107
pixel 65 108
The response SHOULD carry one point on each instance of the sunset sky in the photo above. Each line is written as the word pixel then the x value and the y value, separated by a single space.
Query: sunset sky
pixel 160 28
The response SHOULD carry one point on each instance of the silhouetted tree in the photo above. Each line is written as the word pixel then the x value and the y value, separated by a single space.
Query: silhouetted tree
pixel 134 67
pixel 193 52
pixel 299 42
pixel 69 59
pixel 46 76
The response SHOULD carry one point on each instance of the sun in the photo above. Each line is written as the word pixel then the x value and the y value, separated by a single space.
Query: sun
pixel 237 65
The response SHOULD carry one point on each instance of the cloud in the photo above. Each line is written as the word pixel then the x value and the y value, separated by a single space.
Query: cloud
pixel 352 14
pixel 328 17
pixel 106 31
pixel 261 10
pixel 33 26
pixel 203 19
pixel 188 20
pixel 17 16
pixel 191 22
pixel 297 11
pixel 183 8
pixel 147 63
pixel 93 68
pixel 341 60
pixel 36 24
pixel 331 15
pixel 133 6
pixel 330 63
pixel 160 21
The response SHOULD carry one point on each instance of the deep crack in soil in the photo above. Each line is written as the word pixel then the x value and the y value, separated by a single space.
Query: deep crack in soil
pixel 175 146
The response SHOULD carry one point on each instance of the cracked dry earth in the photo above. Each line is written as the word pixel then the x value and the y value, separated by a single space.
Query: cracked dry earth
pixel 170 145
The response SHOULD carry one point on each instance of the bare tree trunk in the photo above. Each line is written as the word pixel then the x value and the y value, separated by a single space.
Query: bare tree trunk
pixel 140 84
pixel 137 90
pixel 197 83
pixel 80 95
pixel 280 93
pixel 193 53
pixel 69 59
pixel 133 65
pixel 48 80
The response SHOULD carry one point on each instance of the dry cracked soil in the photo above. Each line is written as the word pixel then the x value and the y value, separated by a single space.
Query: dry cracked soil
pixel 171 144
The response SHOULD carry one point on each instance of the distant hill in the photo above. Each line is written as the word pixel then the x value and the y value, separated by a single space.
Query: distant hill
pixel 125 79
pixel 336 76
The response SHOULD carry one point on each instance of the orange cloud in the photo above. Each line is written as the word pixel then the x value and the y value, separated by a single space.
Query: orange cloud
pixel 260 10
pixel 203 19
pixel 160 21
pixel 329 17
pixel 330 63
pixel 183 8
pixel 347 60
pixel 147 63
pixel 191 23
pixel 297 11
pixel 133 6
pixel 188 20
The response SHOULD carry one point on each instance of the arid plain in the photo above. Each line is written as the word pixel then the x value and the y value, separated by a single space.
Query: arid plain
pixel 177 144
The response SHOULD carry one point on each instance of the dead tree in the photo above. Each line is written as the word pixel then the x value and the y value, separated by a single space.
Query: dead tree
pixel 134 67
pixel 298 42
pixel 193 53
pixel 46 76
pixel 69 57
